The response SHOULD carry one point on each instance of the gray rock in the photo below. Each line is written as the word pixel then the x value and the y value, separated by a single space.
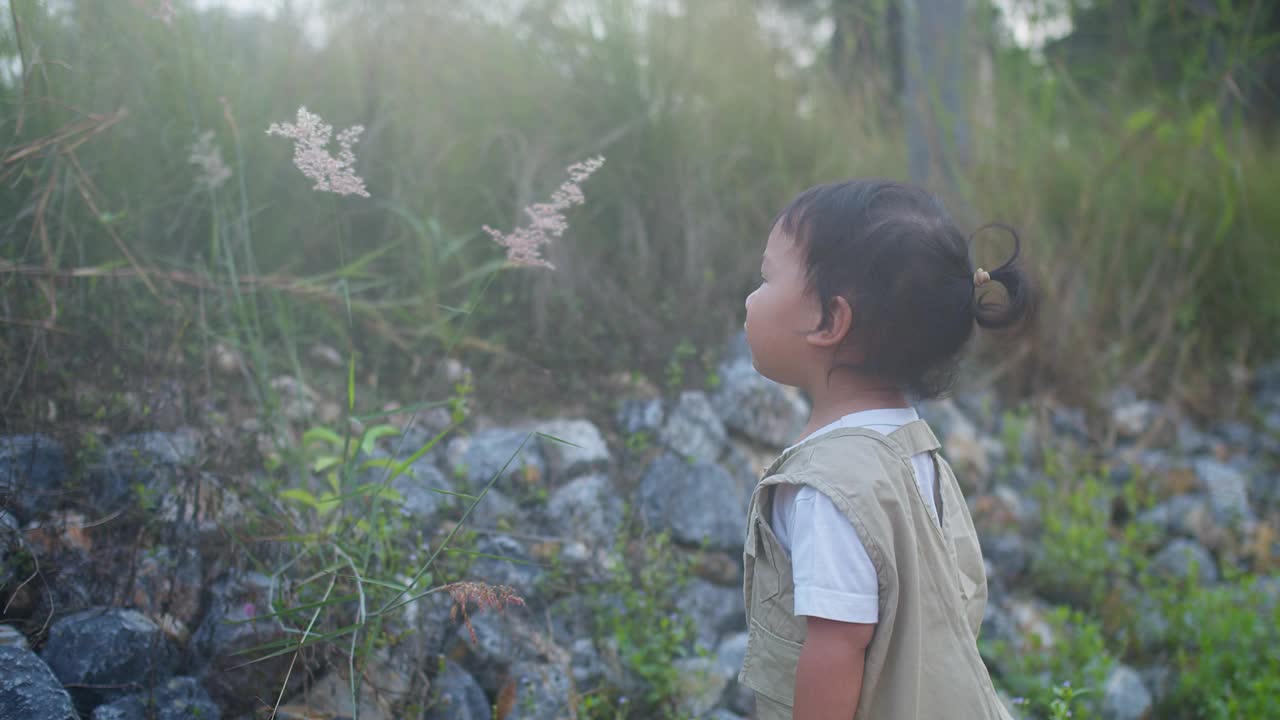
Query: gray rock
pixel 693 430
pixel 424 623
pixel 1124 695
pixel 747 464
pixel 11 550
pixel 297 400
pixel 636 415
pixel 586 666
pixel 1190 440
pixel 29 690
pixel 180 698
pixel 104 654
pixel 584 448
pixel 722 714
pixel 455 695
pixel 495 507
pixel 999 626
pixel 1069 422
pixel 476 459
pixel 737 349
pixel 758 407
pixel 1131 416
pixel 578 616
pixel 1227 490
pixel 386 683
pixel 230 626
pixel 1160 680
pixel 1237 434
pixel 690 501
pixel 1154 461
pixel 588 509
pixel 508 563
pixel 33 470
pixel 961 441
pixel 541 691
pixel 699 685
pixel 178 448
pixel 943 415
pixel 425 430
pixel 731 653
pixel 11 637
pixel 1173 516
pixel 502 639
pixel 144 467
pixel 714 609
pixel 75 580
pixel 423 488
pixel 168 581
pixel 1271 422
pixel 741 699
pixel 1010 555
pixel 1151 627
pixel 981 405
pixel 1176 561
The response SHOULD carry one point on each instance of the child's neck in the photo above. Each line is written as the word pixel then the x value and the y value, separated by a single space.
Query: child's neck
pixel 847 393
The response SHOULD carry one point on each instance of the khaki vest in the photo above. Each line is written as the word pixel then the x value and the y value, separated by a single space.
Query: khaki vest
pixel 923 660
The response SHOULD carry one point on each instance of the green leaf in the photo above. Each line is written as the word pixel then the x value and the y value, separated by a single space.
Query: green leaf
pixel 351 382
pixel 556 439
pixel 328 503
pixel 324 462
pixel 370 437
pixel 321 435
pixel 382 491
pixel 1140 120
pixel 300 496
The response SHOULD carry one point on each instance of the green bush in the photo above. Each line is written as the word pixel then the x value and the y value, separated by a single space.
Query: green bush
pixel 1227 662
pixel 639 616
pixel 1075 665
pixel 1147 219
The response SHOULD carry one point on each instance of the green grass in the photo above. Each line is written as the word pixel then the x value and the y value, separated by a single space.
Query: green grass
pixel 1146 218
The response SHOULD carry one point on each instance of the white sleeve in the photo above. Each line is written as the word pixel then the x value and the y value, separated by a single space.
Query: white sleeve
pixel 833 575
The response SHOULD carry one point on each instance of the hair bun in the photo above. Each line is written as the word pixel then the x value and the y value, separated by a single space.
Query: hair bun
pixel 1020 296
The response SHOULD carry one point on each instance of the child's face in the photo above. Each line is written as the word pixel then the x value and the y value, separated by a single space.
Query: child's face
pixel 781 313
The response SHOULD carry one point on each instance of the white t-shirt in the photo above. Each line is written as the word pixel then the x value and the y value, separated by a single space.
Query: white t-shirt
pixel 830 568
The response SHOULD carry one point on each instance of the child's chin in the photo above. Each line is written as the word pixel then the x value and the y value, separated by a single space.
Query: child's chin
pixel 764 372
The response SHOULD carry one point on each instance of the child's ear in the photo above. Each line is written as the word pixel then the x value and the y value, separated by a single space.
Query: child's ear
pixel 840 321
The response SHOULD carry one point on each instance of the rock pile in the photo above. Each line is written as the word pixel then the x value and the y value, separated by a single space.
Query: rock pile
pixel 157 631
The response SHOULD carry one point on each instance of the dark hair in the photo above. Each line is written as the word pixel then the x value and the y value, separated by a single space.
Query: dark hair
pixel 894 253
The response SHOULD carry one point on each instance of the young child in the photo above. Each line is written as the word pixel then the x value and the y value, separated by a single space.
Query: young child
pixel 865 585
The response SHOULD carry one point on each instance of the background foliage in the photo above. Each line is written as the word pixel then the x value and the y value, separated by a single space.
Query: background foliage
pixel 1139 181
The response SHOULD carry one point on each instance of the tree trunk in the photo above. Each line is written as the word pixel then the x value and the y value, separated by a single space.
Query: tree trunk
pixel 935 45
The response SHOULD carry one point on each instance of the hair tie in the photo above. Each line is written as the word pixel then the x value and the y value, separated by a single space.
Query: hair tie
pixel 981 277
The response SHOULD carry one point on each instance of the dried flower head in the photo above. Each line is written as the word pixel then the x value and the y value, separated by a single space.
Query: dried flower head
pixel 546 220
pixel 206 155
pixel 484 596
pixel 311 137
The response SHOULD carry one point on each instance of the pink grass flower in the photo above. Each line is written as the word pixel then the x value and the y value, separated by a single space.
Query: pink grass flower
pixel 483 596
pixel 311 137
pixel 546 220
pixel 206 155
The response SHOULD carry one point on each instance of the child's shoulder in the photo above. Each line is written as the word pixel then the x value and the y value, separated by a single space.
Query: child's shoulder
pixel 832 454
